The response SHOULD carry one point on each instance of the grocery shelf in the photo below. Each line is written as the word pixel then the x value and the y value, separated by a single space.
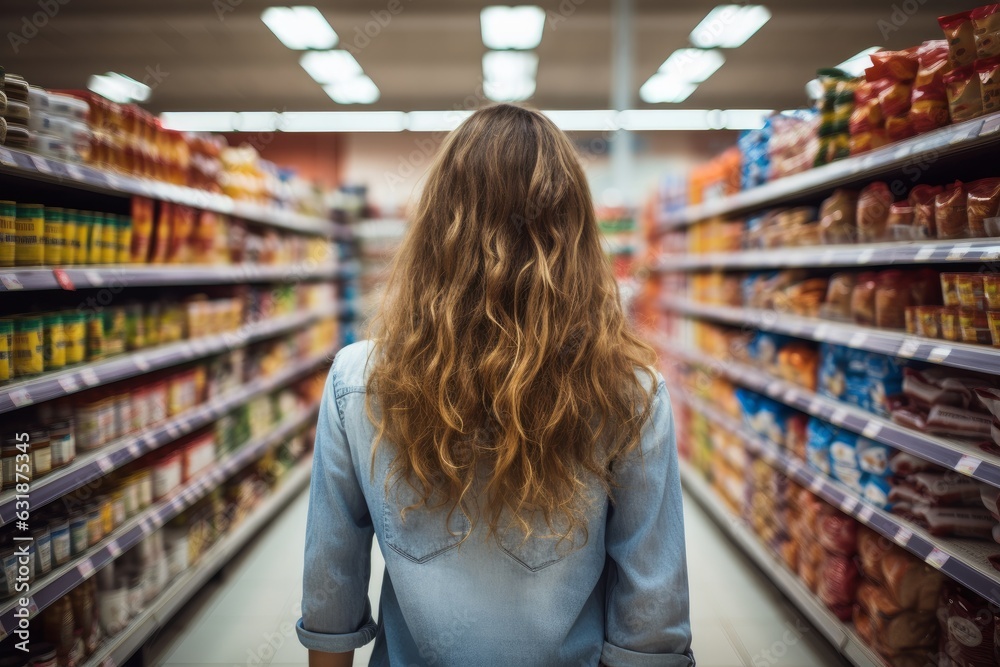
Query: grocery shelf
pixel 925 148
pixel 65 578
pixel 838 633
pixel 969 562
pixel 981 358
pixel 22 164
pixel 85 376
pixel 866 254
pixel 91 466
pixel 962 457
pixel 122 276
pixel 117 649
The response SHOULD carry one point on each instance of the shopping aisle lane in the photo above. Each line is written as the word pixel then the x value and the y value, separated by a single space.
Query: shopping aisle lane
pixel 738 618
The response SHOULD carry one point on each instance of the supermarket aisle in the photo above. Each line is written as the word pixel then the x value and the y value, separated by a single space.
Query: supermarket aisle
pixel 737 616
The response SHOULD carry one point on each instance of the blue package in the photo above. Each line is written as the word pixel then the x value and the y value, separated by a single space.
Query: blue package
pixel 885 379
pixel 852 478
pixel 832 379
pixel 876 492
pixel 819 435
pixel 844 450
pixel 873 457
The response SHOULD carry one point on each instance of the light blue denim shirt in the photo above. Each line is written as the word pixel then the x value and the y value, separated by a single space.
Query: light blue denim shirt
pixel 621 599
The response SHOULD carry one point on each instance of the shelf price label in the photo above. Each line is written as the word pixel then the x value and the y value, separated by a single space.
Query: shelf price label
pixel 839 416
pixel 858 339
pixel 958 251
pixel 10 282
pixel 816 406
pixel 865 256
pixel 924 253
pixel 908 348
pixel 939 353
pixel 816 485
pixel 69 384
pixel 903 535
pixel 967 465
pixel 937 558
pixel 865 515
pixel 85 568
pixel 871 429
pixel 20 397
pixel 89 377
pixel 848 504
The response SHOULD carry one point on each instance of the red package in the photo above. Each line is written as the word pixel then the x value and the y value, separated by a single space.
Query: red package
pixel 837 533
pixel 922 199
pixel 983 201
pixel 965 100
pixel 895 65
pixel 838 582
pixel 898 128
pixel 967 628
pixel 895 98
pixel 986 30
pixel 989 83
pixel 950 214
pixel 929 102
pixel 874 202
pixel 868 141
pixel 961 41
pixel 899 225
pixel 867 116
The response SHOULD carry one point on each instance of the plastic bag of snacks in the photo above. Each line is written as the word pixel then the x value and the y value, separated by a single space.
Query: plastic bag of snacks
pixel 873 212
pixel 983 201
pixel 922 199
pixel 967 627
pixel 965 100
pixel 950 212
pixel 986 30
pixel 929 102
pixel 835 107
pixel 989 83
pixel 958 32
pixel 838 217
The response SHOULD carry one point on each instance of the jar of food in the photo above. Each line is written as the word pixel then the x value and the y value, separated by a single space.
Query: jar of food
pixel 975 326
pixel 70 240
pixel 135 330
pixel 75 332
pixel 29 235
pixel 950 328
pixel 130 495
pixel 949 288
pixel 57 627
pixel 6 350
pixel 106 514
pixel 54 336
pixel 62 442
pixel 29 348
pixel 78 532
pixel 55 238
pixel 61 547
pixel 95 423
pixel 993 317
pixel 43 550
pixel 96 348
pixel 118 511
pixel 8 232
pixel 151 323
pixel 144 479
pixel 41 452
pixel 114 330
pixel 95 526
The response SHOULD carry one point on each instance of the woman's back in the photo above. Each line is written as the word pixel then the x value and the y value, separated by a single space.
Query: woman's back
pixel 504 437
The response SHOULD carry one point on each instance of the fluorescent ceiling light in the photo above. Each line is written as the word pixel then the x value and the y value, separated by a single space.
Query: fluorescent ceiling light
pixel 343 121
pixel 512 27
pixel 509 91
pixel 661 88
pixel 692 65
pixel 300 28
pixel 857 64
pixel 435 121
pixel 256 121
pixel 326 67
pixel 198 121
pixel 119 88
pixel 509 65
pixel 745 119
pixel 359 90
pixel 664 119
pixel 570 121
pixel 729 26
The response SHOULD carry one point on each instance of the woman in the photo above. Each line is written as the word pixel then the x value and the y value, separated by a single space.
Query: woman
pixel 503 435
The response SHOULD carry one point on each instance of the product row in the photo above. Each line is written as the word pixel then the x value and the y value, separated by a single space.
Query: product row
pixel 74 627
pixel 34 343
pixel 902 94
pixel 155 233
pixel 79 126
pixel 91 419
pixel 936 400
pixel 901 607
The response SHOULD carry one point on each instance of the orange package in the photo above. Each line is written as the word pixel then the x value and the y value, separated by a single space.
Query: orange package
pixel 929 103
pixel 950 212
pixel 983 201
pixel 961 41
pixel 873 212
pixel 922 200
pixel 161 234
pixel 965 99
pixel 896 65
pixel 179 248
pixel 142 229
pixel 986 30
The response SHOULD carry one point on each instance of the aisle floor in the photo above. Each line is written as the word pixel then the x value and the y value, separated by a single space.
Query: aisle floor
pixel 738 618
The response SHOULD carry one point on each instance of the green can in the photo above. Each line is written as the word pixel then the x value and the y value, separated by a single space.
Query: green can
pixel 8 232
pixel 6 349
pixel 54 337
pixel 55 240
pixel 29 346
pixel 29 235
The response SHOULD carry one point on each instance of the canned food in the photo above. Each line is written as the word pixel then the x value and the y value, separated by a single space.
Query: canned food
pixel 8 232
pixel 29 348
pixel 75 332
pixel 6 349
pixel 54 336
pixel 29 235
pixel 54 236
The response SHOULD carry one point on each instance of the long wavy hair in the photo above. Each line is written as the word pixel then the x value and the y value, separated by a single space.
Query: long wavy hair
pixel 505 375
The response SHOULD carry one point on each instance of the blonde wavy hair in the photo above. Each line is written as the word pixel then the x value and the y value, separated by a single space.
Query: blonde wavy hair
pixel 505 376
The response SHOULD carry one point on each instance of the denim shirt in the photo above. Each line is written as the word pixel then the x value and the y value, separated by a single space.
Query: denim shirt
pixel 620 599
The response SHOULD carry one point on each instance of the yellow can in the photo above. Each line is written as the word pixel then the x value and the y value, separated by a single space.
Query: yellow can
pixel 82 245
pixel 109 240
pixel 6 349
pixel 124 249
pixel 70 242
pixel 30 235
pixel 95 337
pixel 75 329
pixel 54 335
pixel 95 250
pixel 54 235
pixel 29 352
pixel 8 232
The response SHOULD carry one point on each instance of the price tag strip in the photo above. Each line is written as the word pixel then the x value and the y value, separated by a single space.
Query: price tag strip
pixel 902 537
pixel 937 558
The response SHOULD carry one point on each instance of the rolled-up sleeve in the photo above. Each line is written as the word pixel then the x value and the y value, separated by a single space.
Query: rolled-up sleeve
pixel 336 612
pixel 647 619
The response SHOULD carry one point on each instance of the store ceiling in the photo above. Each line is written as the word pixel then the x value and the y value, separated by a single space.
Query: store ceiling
pixel 217 55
